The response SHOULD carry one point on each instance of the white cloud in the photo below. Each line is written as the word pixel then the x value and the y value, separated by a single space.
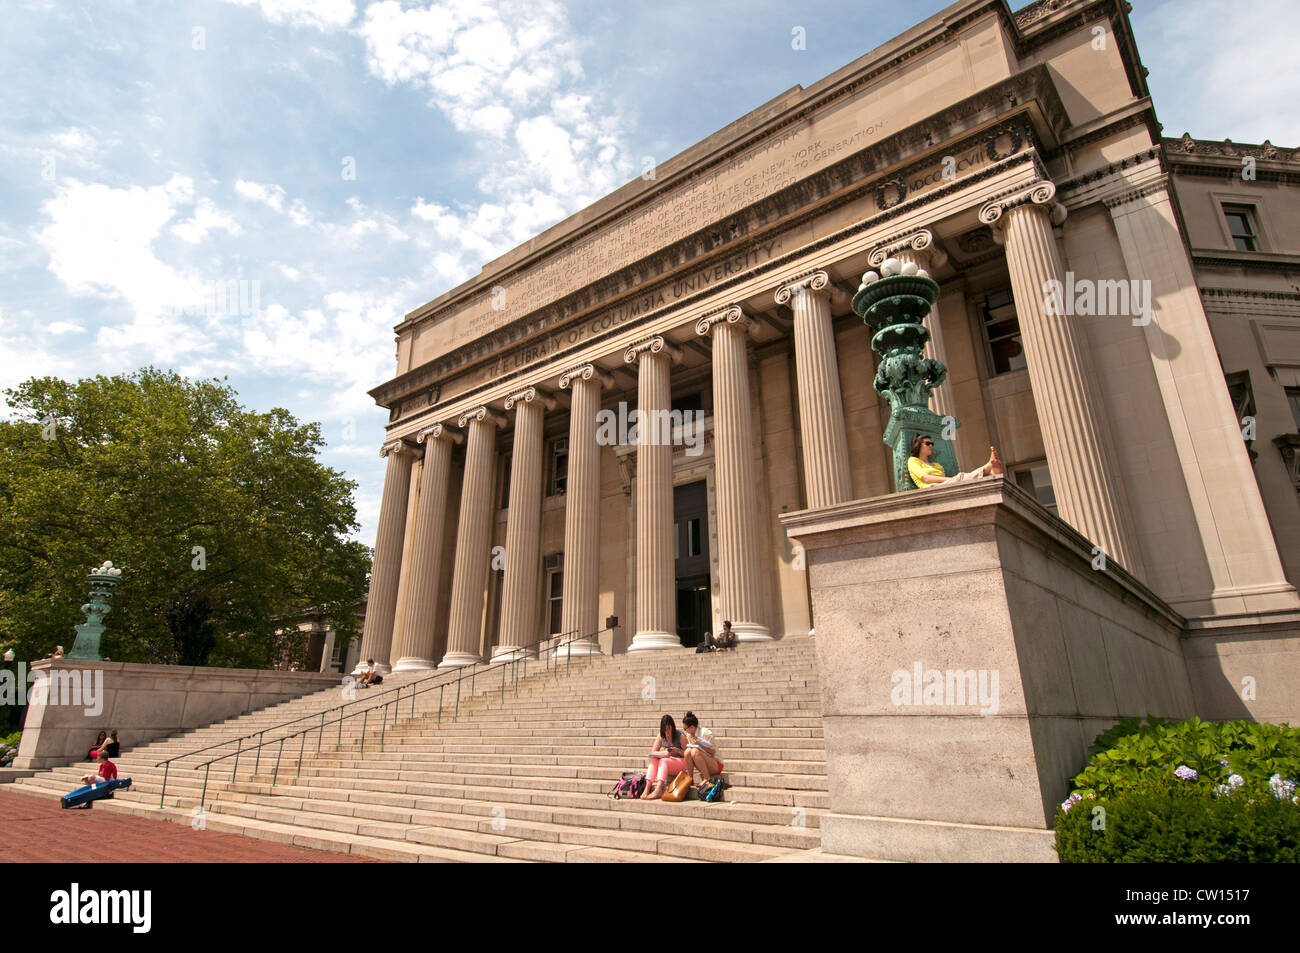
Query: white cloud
pixel 207 217
pixel 64 327
pixel 321 14
pixel 100 243
pixel 270 195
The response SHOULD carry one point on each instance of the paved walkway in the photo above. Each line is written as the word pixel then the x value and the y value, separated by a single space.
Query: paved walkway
pixel 37 830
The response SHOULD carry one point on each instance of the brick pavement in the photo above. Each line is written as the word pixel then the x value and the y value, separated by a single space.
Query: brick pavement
pixel 38 830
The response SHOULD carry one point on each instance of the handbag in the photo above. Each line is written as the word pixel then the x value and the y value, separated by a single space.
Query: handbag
pixel 677 790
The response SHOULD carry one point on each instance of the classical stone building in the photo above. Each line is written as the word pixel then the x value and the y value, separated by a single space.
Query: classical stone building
pixel 1119 315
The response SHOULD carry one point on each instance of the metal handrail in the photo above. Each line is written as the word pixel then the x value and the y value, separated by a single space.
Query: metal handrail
pixel 518 660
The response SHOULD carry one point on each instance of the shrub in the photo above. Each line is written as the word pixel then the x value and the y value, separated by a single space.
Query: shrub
pixel 9 748
pixel 1190 791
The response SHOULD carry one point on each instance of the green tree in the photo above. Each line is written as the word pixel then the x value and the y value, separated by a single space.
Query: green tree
pixel 224 524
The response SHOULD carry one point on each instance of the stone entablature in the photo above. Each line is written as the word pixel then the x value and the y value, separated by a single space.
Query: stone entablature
pixel 1031 92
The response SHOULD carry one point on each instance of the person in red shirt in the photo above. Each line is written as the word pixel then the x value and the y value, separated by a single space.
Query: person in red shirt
pixel 107 771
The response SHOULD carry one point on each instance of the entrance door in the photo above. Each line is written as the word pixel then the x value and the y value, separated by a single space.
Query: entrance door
pixel 691 548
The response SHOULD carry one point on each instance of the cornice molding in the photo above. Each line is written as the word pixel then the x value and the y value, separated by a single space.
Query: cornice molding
pixel 922 139
pixel 1187 146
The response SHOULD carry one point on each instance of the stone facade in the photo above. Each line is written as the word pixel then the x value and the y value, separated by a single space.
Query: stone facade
pixel 1091 304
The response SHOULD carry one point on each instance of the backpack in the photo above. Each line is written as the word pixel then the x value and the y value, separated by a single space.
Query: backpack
pixel 711 790
pixel 630 785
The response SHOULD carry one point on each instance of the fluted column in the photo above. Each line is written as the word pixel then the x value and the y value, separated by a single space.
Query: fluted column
pixel 1085 476
pixel 821 406
pixel 739 582
pixel 580 604
pixel 519 589
pixel 656 585
pixel 385 572
pixel 473 539
pixel 919 248
pixel 416 640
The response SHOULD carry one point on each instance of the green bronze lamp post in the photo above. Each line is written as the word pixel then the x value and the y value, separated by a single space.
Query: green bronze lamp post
pixel 103 580
pixel 894 304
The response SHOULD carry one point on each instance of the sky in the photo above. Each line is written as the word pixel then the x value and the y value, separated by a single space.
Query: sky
pixel 337 163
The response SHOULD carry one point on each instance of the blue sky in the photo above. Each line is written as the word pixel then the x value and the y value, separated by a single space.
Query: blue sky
pixel 356 159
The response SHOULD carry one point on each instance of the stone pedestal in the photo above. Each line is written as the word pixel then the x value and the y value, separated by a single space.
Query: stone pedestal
pixel 968 656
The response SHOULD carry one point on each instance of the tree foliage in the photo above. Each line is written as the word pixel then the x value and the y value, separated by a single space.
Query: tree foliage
pixel 164 475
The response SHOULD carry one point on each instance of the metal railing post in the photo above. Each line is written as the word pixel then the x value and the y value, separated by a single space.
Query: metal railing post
pixel 440 688
pixel 301 745
pixel 203 798
pixel 458 681
pixel 383 729
pixel 365 720
pixel 320 736
pixel 239 745
pixel 163 793
pixel 258 762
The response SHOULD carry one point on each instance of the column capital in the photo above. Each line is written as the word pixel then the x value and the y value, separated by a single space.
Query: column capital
pixel 1040 193
pixel 652 345
pixel 399 445
pixel 817 280
pixel 529 394
pixel 481 413
pixel 920 242
pixel 731 315
pixel 586 372
pixel 438 431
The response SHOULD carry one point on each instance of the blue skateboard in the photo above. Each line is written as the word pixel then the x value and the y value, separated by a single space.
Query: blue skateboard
pixel 92 793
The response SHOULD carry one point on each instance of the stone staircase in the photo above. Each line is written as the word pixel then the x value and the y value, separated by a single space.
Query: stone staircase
pixel 519 775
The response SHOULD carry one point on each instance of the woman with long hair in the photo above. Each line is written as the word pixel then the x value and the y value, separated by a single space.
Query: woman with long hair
pixel 665 758
pixel 701 750
pixel 926 474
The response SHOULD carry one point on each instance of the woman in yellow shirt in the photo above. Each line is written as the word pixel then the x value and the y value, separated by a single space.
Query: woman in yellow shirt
pixel 926 474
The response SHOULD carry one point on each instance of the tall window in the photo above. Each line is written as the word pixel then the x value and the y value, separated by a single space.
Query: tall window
pixel 554 592
pixel 1293 398
pixel 1002 332
pixel 1241 226
pixel 1036 478
pixel 557 469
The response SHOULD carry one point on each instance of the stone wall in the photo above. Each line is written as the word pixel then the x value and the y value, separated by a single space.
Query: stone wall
pixel 144 702
pixel 1034 652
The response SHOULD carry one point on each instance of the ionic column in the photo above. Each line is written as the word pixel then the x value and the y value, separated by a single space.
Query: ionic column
pixel 580 605
pixel 519 589
pixel 1085 476
pixel 385 573
pixel 739 582
pixel 416 639
pixel 821 407
pixel 919 248
pixel 473 539
pixel 656 586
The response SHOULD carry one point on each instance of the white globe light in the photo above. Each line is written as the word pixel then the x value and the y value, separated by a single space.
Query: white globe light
pixel 891 266
pixel 910 268
pixel 922 273
pixel 870 278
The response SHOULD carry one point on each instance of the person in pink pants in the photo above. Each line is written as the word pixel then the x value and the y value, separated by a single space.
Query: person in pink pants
pixel 665 758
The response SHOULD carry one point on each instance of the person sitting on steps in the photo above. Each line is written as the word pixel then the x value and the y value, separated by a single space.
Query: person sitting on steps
pixel 724 640
pixel 665 759
pixel 370 676
pixel 926 474
pixel 701 751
